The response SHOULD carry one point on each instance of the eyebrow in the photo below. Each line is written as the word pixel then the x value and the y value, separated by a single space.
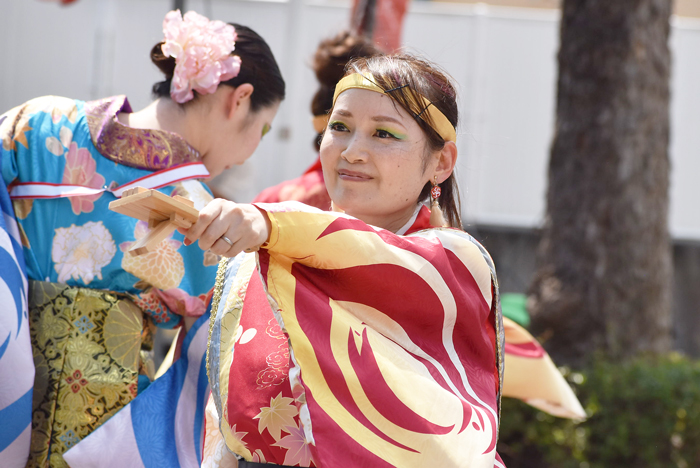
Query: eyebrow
pixel 376 118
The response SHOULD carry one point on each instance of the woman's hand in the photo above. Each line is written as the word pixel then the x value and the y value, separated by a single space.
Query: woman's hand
pixel 244 225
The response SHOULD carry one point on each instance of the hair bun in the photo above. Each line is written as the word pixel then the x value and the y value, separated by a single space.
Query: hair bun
pixel 334 53
pixel 166 65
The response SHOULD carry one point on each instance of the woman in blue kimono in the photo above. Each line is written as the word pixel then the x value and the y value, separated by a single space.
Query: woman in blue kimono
pixel 92 306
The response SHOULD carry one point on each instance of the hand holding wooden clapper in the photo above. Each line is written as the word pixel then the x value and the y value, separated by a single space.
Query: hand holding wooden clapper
pixel 164 214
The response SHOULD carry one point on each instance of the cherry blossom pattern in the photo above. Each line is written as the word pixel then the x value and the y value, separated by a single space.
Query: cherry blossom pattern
pixel 57 146
pixel 80 252
pixel 80 169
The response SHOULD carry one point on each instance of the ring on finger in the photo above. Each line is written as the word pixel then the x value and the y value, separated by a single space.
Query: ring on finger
pixel 227 240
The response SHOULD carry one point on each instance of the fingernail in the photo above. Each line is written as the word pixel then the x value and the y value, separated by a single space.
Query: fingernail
pixel 187 241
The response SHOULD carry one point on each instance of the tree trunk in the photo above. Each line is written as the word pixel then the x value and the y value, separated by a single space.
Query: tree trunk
pixel 604 263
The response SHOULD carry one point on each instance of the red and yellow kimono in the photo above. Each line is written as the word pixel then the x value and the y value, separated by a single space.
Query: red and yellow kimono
pixel 341 344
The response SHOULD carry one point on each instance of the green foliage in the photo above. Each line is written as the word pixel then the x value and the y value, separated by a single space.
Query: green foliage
pixel 642 413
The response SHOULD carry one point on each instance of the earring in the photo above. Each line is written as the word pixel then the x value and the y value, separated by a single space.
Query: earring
pixel 436 217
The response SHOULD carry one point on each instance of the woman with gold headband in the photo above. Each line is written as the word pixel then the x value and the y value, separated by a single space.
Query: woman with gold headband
pixel 367 336
pixel 92 306
pixel 328 64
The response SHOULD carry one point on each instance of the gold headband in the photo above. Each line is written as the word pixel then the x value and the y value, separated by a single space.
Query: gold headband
pixel 440 123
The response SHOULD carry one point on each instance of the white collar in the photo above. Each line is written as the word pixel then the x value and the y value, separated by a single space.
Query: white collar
pixel 410 222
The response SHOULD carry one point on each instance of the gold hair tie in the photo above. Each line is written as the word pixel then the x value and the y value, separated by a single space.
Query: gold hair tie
pixel 440 123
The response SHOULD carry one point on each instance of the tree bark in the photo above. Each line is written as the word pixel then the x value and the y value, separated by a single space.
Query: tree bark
pixel 604 262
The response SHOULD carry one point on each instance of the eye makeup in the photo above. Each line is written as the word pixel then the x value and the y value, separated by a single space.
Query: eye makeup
pixel 333 125
pixel 394 133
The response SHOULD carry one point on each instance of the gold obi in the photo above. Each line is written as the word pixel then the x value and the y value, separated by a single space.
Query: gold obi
pixel 89 347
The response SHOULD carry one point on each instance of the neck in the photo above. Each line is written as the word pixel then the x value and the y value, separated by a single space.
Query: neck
pixel 393 224
pixel 164 114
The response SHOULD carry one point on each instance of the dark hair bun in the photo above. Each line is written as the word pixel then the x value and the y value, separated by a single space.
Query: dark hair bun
pixel 166 65
pixel 333 53
pixel 329 65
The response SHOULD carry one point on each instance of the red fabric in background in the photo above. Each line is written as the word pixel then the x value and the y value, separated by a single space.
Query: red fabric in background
pixel 62 2
pixel 388 23
pixel 309 188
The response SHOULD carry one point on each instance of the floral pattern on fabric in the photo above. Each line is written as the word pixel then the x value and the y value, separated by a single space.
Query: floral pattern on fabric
pixel 214 445
pixel 370 334
pixel 298 451
pixel 277 361
pixel 56 140
pixel 80 252
pixel 215 453
pixel 58 146
pixel 23 208
pixel 60 107
pixel 163 267
pixel 14 126
pixel 53 140
pixel 278 416
pixel 80 170
pixel 139 148
pixel 85 346
pixel 264 420
pixel 150 304
pixel 182 303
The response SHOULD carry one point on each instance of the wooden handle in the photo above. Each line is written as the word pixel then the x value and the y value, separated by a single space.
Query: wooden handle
pixel 150 241
pixel 164 214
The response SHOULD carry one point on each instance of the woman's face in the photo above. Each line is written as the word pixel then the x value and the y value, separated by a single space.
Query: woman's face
pixel 239 140
pixel 373 159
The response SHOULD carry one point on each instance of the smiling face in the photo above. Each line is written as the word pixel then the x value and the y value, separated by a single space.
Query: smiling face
pixel 373 155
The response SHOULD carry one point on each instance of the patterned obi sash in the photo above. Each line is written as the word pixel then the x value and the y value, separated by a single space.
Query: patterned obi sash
pixel 89 348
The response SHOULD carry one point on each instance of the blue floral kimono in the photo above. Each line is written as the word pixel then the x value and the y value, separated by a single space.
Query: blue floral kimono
pixel 91 303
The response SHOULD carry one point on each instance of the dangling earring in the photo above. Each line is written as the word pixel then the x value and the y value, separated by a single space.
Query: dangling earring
pixel 436 217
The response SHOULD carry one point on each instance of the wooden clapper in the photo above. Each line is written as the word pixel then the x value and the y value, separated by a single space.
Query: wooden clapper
pixel 164 214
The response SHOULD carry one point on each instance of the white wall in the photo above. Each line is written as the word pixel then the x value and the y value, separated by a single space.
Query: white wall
pixel 504 60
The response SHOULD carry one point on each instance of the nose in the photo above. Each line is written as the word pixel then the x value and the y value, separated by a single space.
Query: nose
pixel 355 151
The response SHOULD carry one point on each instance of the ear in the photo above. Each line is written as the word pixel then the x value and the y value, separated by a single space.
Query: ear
pixel 446 162
pixel 239 99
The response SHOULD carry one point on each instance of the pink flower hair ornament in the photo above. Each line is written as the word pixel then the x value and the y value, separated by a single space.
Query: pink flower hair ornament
pixel 202 51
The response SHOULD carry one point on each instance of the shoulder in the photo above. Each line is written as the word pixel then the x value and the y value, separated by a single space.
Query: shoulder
pixel 464 248
pixel 56 107
pixel 26 127
pixel 52 107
